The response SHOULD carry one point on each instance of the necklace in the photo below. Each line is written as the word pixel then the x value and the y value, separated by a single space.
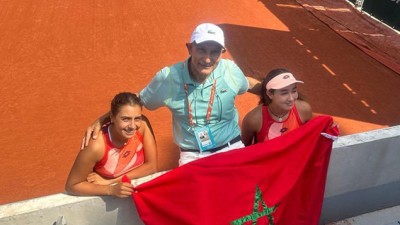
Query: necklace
pixel 280 118
pixel 115 142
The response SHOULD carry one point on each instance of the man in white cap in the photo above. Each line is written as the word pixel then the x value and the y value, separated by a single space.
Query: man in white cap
pixel 200 93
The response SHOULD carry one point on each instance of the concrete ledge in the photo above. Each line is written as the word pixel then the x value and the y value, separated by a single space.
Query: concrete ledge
pixel 363 174
pixel 389 216
pixel 360 202
pixel 75 210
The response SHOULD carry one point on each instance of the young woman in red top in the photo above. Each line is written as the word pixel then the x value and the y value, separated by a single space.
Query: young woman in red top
pixel 280 109
pixel 125 147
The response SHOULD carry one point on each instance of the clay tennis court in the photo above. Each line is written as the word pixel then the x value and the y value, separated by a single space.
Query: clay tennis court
pixel 62 62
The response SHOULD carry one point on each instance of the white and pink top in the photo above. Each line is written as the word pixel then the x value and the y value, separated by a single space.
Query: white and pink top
pixel 271 128
pixel 118 161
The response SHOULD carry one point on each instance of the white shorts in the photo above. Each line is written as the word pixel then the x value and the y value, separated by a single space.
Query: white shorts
pixel 190 156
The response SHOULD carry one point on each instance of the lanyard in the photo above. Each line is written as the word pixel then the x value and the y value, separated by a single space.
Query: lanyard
pixel 210 103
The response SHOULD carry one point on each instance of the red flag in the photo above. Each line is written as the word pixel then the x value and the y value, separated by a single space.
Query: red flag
pixel 279 182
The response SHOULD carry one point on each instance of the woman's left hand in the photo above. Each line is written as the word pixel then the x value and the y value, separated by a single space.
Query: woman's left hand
pixel 95 178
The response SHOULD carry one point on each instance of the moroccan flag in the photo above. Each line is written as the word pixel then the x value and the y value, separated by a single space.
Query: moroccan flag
pixel 280 182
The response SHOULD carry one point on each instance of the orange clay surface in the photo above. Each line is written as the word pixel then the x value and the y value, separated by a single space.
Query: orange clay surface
pixel 61 62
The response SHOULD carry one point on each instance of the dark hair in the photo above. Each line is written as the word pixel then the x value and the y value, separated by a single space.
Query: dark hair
pixel 264 99
pixel 124 98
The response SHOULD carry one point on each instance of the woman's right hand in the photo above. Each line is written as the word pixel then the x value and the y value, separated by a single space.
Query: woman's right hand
pixel 121 190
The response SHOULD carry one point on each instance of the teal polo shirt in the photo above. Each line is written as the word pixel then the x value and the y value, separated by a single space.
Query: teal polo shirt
pixel 167 89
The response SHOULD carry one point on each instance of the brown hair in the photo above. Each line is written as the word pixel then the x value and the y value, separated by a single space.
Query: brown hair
pixel 124 98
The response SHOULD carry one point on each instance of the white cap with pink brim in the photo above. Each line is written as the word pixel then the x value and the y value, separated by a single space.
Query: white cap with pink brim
pixel 281 81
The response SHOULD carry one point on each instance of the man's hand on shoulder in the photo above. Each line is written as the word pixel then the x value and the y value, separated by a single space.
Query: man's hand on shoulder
pixel 93 130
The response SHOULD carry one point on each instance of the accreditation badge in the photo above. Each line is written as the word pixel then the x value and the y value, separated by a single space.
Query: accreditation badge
pixel 204 138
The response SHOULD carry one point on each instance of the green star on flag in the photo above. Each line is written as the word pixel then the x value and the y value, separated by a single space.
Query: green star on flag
pixel 256 214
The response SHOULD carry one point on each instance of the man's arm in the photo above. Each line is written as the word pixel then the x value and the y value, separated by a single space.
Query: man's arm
pixel 93 130
pixel 254 86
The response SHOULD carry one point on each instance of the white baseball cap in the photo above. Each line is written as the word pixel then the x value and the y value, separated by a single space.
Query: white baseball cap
pixel 208 32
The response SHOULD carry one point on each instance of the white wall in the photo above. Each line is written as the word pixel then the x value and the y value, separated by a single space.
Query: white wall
pixel 363 174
